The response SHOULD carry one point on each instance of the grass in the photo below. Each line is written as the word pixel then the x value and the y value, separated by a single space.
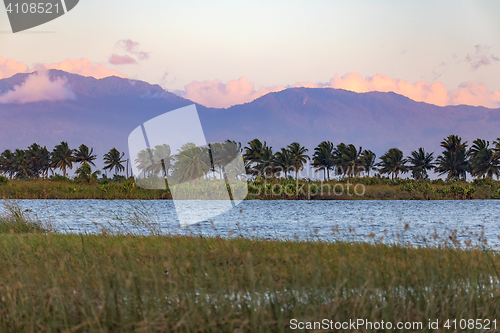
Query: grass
pixel 69 189
pixel 372 188
pixel 124 283
pixel 15 221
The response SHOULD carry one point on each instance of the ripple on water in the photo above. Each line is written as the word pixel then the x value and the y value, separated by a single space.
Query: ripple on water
pixel 284 219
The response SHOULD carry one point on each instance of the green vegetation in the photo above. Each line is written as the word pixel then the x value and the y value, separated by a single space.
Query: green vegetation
pixel 59 187
pixel 124 283
pixel 373 188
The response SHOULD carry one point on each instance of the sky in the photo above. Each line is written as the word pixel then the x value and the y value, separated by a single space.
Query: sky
pixel 221 53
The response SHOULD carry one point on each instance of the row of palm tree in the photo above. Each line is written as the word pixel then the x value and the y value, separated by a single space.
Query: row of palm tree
pixel 37 161
pixel 346 160
pixel 260 160
pixel 190 162
pixel 456 160
pixel 480 160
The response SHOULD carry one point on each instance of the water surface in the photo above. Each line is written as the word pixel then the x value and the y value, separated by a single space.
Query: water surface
pixel 362 220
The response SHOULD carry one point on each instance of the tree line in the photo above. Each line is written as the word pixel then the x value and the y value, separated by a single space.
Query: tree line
pixel 346 160
pixel 481 160
pixel 37 161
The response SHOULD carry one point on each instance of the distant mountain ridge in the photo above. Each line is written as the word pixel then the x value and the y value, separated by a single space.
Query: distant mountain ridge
pixel 105 111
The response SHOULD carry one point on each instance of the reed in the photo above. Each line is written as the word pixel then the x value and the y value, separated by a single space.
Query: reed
pixel 125 283
pixel 14 220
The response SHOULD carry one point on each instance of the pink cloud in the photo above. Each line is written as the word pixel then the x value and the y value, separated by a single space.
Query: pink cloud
pixel 84 67
pixel 217 94
pixel 9 67
pixel 220 95
pixel 420 91
pixel 469 93
pixel 128 45
pixel 116 59
pixel 38 88
pixel 481 57
pixel 132 48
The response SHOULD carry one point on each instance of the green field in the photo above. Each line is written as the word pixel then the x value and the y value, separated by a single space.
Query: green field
pixel 53 282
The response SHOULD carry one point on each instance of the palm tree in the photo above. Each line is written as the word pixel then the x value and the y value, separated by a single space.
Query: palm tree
pixel 266 163
pixel 62 157
pixel 421 162
pixel 454 159
pixel 83 155
pixel 368 159
pixel 162 160
pixel 193 162
pixel 38 159
pixel 113 160
pixel 223 154
pixel 299 156
pixel 144 161
pixel 484 161
pixel 21 167
pixel 347 159
pixel 496 149
pixel 393 163
pixel 84 171
pixel 7 161
pixel 254 150
pixel 323 158
pixel 258 157
pixel 284 161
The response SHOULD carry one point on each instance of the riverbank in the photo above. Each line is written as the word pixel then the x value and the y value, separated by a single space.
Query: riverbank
pixel 365 188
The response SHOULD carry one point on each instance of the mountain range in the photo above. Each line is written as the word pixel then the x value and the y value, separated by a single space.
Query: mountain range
pixel 103 112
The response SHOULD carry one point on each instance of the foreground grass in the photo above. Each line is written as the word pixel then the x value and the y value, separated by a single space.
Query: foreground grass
pixel 123 283
pixel 363 188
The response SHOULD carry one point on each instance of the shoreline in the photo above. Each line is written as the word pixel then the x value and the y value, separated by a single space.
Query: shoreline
pixel 269 189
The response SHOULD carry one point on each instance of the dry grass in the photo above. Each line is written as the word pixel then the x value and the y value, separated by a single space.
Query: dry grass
pixel 124 283
pixel 15 221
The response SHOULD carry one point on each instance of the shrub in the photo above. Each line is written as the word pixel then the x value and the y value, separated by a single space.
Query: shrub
pixel 59 178
pixel 438 181
pixel 119 178
pixel 485 182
